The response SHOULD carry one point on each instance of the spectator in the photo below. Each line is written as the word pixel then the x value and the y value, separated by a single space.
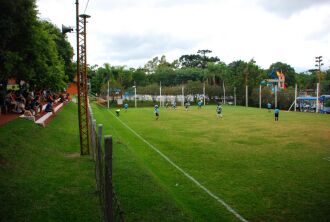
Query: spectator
pixel 11 99
pixel 49 108
pixel 61 98
pixel 36 105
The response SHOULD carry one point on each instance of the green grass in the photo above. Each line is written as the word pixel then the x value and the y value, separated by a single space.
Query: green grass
pixel 42 175
pixel 265 170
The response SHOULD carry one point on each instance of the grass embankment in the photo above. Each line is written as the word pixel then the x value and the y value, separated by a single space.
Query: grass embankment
pixel 42 175
pixel 266 170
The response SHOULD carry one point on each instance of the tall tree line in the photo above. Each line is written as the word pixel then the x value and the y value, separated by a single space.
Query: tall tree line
pixel 31 49
pixel 194 70
pixel 196 67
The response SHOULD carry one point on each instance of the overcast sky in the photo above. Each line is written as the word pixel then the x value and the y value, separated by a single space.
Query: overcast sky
pixel 131 32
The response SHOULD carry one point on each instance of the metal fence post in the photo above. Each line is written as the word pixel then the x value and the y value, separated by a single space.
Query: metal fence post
pixel 109 212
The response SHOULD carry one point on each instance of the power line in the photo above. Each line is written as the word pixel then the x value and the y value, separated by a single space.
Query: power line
pixel 86 6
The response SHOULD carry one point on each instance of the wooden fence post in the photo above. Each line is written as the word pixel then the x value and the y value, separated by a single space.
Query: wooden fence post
pixel 99 171
pixel 94 139
pixel 109 212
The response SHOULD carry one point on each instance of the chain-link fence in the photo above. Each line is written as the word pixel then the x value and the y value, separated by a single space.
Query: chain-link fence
pixel 154 94
pixel 192 92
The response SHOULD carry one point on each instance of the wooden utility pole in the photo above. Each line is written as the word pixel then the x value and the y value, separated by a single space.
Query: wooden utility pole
pixel 246 70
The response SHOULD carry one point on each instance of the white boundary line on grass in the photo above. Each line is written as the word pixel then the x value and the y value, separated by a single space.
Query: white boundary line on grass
pixel 327 158
pixel 229 208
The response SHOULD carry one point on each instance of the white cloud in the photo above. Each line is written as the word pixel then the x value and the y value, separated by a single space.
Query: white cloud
pixel 288 8
pixel 128 32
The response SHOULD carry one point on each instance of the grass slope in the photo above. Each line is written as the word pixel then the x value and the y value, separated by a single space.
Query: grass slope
pixel 266 170
pixel 42 176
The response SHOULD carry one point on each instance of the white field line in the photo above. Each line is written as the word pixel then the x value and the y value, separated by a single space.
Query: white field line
pixel 327 158
pixel 229 208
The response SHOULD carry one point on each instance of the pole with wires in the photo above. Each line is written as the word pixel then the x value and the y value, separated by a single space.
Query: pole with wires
pixel 182 89
pixel 260 96
pixel 108 95
pixel 204 93
pixel 224 92
pixel 160 94
pixel 235 96
pixel 295 97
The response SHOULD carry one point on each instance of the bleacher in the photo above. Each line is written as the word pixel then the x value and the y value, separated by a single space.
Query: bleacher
pixel 44 117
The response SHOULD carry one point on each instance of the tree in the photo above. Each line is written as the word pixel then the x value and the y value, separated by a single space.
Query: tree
pixel 164 74
pixel 304 80
pixel 46 65
pixel 163 62
pixel 17 21
pixel 139 77
pixel 199 61
pixel 64 49
pixel 326 83
pixel 241 73
pixel 30 49
pixel 191 61
pixel 124 76
pixel 203 52
pixel 175 64
pixel 101 75
pixel 216 73
pixel 184 75
pixel 151 66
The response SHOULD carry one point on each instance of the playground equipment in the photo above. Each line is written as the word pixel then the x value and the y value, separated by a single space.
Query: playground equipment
pixel 276 82
pixel 277 76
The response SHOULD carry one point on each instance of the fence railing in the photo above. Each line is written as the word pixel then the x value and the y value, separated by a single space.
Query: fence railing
pixel 110 206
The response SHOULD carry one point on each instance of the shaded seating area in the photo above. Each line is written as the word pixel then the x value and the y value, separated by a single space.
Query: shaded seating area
pixel 45 116
pixel 310 103
pixel 39 106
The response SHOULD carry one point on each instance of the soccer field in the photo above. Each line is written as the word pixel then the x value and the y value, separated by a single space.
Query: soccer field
pixel 191 166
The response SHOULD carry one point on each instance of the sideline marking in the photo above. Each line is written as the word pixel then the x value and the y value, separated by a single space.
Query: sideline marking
pixel 229 208
pixel 327 158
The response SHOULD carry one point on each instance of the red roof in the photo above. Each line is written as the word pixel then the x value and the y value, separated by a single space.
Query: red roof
pixel 72 89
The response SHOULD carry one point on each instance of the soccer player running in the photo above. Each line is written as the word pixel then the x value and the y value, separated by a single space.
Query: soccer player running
pixel 156 111
pixel 219 111
pixel 117 112
pixel 174 105
pixel 126 107
pixel 186 105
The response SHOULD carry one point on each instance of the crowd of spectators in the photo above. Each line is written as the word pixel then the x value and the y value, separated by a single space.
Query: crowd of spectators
pixel 31 103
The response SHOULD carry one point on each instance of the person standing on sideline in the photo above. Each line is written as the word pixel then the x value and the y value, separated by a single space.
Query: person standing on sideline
pixel 125 107
pixel 186 105
pixel 277 112
pixel 269 107
pixel 174 105
pixel 219 111
pixel 157 112
pixel 200 103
